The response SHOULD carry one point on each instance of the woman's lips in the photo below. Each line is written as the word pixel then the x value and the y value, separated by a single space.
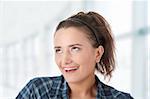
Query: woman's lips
pixel 70 68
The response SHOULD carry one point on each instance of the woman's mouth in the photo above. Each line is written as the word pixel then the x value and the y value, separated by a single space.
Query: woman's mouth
pixel 71 68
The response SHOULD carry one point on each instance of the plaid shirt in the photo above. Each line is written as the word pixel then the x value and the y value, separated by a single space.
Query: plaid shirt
pixel 57 88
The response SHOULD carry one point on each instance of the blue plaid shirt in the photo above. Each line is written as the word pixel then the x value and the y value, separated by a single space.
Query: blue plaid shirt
pixel 57 88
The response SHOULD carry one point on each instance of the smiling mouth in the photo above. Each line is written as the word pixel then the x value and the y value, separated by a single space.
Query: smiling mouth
pixel 70 69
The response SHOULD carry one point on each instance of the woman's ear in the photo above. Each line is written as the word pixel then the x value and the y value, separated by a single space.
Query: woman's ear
pixel 99 53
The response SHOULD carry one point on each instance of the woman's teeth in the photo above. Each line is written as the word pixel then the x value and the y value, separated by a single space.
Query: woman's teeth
pixel 67 69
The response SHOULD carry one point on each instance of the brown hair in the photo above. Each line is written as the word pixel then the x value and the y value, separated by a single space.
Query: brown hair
pixel 99 33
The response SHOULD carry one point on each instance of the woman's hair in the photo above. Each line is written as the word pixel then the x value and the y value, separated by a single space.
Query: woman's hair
pixel 99 33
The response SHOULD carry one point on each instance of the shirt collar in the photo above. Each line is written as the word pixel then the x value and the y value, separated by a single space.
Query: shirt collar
pixel 103 91
pixel 65 91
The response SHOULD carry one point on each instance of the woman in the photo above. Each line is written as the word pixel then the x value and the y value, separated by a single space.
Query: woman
pixel 83 43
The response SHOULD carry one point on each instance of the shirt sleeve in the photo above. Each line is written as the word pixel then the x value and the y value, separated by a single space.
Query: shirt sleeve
pixel 27 92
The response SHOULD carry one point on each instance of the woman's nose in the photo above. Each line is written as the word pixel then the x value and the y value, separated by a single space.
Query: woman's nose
pixel 66 59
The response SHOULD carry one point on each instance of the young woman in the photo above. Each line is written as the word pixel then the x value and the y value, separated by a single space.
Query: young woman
pixel 83 44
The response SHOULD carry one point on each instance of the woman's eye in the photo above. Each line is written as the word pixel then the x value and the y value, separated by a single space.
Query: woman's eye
pixel 58 51
pixel 75 49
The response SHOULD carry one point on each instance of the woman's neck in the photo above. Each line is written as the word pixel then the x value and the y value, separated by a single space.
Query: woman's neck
pixel 84 88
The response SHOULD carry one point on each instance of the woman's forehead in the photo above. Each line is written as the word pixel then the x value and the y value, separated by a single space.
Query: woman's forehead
pixel 70 33
pixel 70 36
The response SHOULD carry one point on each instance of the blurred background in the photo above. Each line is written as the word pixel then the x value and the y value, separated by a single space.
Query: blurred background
pixel 26 41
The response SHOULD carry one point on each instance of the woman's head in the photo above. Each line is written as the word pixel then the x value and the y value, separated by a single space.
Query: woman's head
pixel 91 28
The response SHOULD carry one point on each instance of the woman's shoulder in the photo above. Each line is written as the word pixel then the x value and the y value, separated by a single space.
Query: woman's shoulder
pixel 40 86
pixel 106 91
pixel 45 80
pixel 109 91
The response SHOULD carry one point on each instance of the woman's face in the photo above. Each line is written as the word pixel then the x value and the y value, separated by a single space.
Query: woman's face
pixel 74 54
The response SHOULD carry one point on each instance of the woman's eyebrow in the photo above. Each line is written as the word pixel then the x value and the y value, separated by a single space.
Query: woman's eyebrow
pixel 69 45
pixel 75 45
pixel 57 47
